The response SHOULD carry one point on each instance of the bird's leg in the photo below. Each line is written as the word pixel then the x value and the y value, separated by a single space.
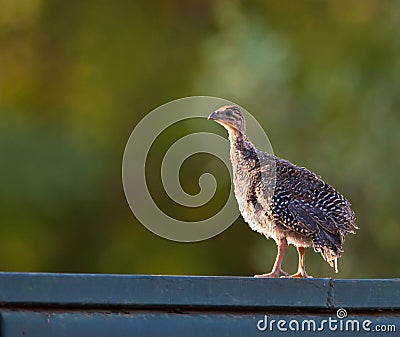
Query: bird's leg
pixel 276 269
pixel 301 271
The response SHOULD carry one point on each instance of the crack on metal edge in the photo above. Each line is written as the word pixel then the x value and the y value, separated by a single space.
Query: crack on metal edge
pixel 330 299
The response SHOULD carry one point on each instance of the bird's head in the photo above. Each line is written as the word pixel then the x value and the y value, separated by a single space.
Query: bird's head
pixel 230 117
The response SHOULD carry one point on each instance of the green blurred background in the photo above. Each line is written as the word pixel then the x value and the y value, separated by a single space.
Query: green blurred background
pixel 322 77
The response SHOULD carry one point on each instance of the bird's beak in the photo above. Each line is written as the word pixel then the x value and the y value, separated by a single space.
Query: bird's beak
pixel 213 116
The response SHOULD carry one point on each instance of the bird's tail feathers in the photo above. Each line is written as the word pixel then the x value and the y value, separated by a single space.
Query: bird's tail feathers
pixel 329 246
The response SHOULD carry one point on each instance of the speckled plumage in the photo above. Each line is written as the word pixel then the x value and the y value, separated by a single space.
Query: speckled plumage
pixel 282 201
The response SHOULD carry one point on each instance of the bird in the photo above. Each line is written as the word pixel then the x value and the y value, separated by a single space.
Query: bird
pixel 285 202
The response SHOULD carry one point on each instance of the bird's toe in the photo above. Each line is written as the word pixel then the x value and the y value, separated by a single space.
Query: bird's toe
pixel 300 274
pixel 268 275
pixel 273 274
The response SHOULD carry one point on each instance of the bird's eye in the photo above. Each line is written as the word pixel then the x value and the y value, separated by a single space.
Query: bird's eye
pixel 229 113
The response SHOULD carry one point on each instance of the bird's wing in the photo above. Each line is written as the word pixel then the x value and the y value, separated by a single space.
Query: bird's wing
pixel 303 198
pixel 312 218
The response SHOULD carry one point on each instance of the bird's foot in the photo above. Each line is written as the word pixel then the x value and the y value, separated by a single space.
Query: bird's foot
pixel 273 274
pixel 301 274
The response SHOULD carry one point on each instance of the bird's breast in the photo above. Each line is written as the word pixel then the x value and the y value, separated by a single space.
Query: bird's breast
pixel 255 216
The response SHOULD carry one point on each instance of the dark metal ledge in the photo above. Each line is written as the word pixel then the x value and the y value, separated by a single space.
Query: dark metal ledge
pixel 62 305
pixel 42 290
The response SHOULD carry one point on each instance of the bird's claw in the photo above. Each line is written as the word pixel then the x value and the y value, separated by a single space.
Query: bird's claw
pixel 300 274
pixel 273 274
pixel 284 274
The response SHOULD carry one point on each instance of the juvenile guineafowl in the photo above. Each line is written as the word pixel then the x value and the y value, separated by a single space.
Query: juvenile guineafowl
pixel 285 202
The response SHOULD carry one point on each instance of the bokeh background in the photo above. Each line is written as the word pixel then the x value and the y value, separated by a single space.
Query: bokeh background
pixel 322 77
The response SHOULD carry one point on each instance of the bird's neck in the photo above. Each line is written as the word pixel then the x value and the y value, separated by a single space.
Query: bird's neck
pixel 235 135
pixel 241 150
pixel 244 155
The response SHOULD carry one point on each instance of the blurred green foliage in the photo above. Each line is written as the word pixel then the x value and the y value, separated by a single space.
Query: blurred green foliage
pixel 322 77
